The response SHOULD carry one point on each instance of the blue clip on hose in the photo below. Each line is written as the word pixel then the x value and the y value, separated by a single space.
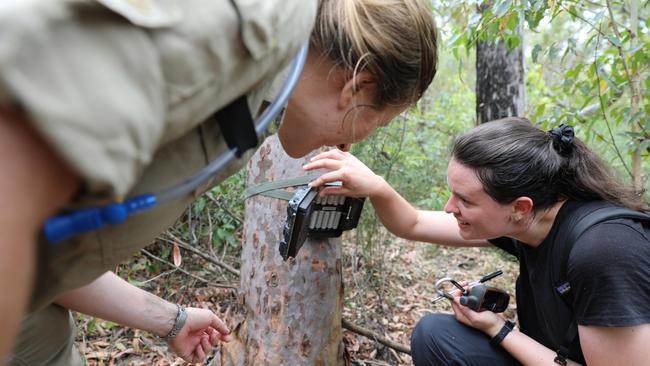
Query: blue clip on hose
pixel 62 227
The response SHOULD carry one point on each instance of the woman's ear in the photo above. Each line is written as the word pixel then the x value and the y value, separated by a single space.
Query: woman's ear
pixel 356 90
pixel 522 207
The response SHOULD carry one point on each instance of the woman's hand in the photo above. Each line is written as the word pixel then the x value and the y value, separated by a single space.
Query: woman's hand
pixel 485 321
pixel 358 180
pixel 202 331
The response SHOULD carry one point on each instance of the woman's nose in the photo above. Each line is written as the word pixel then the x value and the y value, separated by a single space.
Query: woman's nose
pixel 450 206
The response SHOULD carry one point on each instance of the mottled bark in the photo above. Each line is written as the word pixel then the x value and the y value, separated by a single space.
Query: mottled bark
pixel 500 89
pixel 292 309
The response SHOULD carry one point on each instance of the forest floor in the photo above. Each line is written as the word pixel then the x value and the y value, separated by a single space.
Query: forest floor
pixel 387 297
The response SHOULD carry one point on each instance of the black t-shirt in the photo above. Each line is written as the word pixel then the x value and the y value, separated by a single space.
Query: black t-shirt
pixel 609 274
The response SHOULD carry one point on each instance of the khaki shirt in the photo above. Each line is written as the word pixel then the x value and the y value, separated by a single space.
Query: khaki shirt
pixel 121 89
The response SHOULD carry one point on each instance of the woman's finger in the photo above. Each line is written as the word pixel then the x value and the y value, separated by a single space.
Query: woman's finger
pixel 332 154
pixel 329 177
pixel 330 164
pixel 219 325
pixel 205 343
pixel 199 353
pixel 214 337
pixel 334 191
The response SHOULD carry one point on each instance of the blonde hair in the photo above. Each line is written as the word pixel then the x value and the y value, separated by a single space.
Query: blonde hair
pixel 394 40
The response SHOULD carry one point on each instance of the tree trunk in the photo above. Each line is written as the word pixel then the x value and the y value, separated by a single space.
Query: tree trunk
pixel 500 89
pixel 292 309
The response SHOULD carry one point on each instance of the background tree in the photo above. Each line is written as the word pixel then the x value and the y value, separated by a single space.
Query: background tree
pixel 500 90
pixel 588 65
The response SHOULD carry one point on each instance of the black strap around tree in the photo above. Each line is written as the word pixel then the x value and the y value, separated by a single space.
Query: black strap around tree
pixel 237 125
pixel 579 226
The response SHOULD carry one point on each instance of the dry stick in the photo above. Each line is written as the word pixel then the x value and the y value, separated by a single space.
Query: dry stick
pixel 201 254
pixel 372 335
pixel 188 273
pixel 225 209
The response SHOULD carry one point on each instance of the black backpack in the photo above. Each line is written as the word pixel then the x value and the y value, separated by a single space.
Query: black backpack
pixel 579 226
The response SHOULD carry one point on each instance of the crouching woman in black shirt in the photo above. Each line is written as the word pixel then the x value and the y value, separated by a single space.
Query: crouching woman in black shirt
pixel 521 189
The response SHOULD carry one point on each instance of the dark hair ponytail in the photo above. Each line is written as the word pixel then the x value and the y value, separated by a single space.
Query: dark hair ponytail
pixel 513 158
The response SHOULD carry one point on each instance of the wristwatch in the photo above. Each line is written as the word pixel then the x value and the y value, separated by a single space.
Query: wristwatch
pixel 181 316
pixel 508 326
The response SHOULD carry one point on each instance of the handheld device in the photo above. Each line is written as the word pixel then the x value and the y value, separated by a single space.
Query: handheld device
pixel 481 297
pixel 311 215
pixel 478 296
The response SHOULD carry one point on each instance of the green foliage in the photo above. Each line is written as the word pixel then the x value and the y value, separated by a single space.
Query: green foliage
pixel 587 65
pixel 217 216
pixel 581 61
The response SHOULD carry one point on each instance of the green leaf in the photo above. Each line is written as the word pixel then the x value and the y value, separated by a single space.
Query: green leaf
pixel 552 52
pixel 136 283
pixel 645 144
pixel 199 205
pixel 535 52
pixel 614 40
pixel 633 50
pixel 500 8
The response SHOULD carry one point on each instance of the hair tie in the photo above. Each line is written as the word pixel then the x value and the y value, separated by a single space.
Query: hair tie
pixel 563 137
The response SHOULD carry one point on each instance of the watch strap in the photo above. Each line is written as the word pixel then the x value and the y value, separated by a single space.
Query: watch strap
pixel 508 326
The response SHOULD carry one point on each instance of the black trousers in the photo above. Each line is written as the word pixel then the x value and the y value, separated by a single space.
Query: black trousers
pixel 439 339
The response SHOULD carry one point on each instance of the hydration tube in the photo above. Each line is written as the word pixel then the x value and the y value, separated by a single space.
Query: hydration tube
pixel 63 227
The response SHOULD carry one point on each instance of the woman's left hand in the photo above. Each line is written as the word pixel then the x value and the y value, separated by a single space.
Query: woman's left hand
pixel 356 178
pixel 486 321
pixel 202 331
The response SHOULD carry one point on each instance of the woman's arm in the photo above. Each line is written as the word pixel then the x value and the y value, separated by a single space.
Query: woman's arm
pixel 601 346
pixel 110 297
pixel 615 346
pixel 526 350
pixel 395 213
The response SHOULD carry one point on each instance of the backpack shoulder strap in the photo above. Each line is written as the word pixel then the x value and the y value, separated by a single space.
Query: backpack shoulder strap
pixel 582 224
pixel 600 215
pixel 579 226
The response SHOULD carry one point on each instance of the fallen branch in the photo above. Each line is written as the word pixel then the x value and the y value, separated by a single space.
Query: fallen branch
pixel 207 257
pixel 149 254
pixel 225 209
pixel 372 335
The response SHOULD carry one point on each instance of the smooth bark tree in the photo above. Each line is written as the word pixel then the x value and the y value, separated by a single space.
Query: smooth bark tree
pixel 290 310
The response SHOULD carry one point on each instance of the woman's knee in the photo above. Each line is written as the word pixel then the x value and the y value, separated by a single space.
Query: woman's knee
pixel 430 337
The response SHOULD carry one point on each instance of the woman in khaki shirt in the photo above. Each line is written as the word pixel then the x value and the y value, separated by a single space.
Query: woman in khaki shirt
pixel 101 100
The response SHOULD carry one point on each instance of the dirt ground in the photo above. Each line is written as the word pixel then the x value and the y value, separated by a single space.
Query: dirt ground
pixel 388 297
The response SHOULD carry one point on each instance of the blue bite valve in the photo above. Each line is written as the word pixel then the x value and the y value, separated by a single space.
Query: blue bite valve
pixel 63 227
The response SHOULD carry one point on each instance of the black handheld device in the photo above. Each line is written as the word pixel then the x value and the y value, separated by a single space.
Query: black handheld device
pixel 481 297
pixel 311 215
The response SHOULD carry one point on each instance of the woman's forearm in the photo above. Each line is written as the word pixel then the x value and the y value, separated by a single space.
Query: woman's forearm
pixel 528 351
pixel 405 221
pixel 394 212
pixel 111 298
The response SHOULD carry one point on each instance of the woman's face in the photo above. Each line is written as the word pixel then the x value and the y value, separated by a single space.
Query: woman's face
pixel 325 111
pixel 479 215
